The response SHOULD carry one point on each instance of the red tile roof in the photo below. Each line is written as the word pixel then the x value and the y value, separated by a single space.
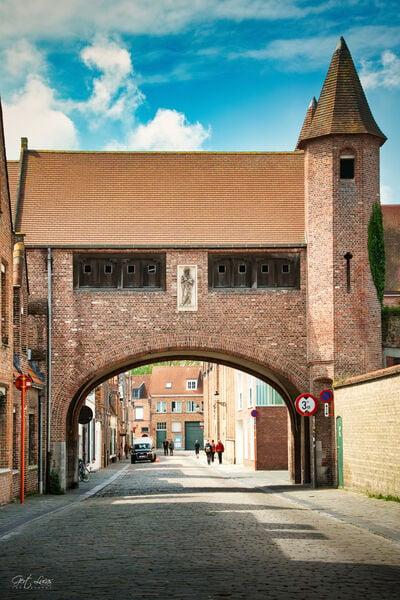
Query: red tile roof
pixel 136 199
pixel 177 376
pixel 13 179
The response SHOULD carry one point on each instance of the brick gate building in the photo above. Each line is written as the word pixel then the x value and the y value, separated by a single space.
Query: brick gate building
pixel 237 258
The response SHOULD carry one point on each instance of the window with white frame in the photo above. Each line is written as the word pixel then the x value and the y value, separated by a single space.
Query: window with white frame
pixel 139 413
pixel 161 426
pixel 176 427
pixel 191 406
pixel 161 406
pixel 176 406
pixel 168 385
pixel 191 384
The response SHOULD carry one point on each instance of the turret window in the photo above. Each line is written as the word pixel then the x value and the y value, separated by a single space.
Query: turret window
pixel 347 167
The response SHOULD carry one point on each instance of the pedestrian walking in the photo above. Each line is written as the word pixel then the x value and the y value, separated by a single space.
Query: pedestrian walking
pixel 219 449
pixel 208 451
pixel 212 450
pixel 171 447
pixel 165 445
pixel 126 449
pixel 197 448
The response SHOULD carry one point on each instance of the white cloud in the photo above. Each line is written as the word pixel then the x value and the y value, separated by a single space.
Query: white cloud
pixel 76 17
pixel 169 130
pixel 387 195
pixel 21 59
pixel 385 73
pixel 115 92
pixel 34 114
pixel 293 53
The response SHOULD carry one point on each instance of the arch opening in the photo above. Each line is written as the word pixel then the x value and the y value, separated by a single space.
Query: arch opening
pixel 286 388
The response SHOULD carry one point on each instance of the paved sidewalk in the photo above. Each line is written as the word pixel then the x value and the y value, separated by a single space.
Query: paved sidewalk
pixel 377 516
pixel 15 515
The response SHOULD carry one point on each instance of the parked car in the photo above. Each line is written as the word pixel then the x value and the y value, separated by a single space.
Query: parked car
pixel 142 450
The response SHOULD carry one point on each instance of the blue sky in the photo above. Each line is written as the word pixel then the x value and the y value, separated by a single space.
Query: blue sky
pixel 233 75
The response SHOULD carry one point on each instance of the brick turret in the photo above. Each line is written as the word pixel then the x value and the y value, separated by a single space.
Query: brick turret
pixel 341 143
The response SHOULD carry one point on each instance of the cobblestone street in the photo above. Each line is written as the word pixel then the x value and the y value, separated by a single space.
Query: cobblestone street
pixel 179 529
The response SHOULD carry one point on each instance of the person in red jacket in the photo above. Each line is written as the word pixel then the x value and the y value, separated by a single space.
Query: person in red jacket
pixel 219 448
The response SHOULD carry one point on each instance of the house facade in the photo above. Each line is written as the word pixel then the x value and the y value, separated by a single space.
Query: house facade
pixel 177 405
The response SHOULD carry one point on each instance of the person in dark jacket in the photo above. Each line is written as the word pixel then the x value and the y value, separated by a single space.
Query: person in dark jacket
pixel 197 448
pixel 208 451
pixel 171 447
pixel 165 446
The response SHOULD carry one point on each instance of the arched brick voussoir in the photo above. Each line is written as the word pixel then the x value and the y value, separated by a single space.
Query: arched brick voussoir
pixel 268 364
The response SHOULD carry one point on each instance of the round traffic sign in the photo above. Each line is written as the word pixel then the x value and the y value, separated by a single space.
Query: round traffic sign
pixel 326 396
pixel 306 405
pixel 254 413
pixel 23 382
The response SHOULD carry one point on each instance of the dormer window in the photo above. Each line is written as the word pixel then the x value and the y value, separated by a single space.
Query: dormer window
pixel 347 166
pixel 191 384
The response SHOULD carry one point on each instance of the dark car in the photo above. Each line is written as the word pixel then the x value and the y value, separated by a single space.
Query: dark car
pixel 143 450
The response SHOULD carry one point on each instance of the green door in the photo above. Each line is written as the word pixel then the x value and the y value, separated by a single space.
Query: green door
pixel 339 447
pixel 161 435
pixel 193 432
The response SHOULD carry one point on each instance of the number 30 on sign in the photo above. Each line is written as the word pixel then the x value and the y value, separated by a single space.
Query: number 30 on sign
pixel 306 405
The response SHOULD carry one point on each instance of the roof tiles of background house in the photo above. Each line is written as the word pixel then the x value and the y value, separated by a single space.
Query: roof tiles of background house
pixel 160 199
pixel 391 225
pixel 142 382
pixel 342 107
pixel 176 378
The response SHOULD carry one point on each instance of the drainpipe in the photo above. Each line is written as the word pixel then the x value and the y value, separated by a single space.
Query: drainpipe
pixel 40 448
pixel 49 369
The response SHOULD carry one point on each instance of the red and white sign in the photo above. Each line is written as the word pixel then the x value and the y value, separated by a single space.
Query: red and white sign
pixel 306 405
pixel 23 381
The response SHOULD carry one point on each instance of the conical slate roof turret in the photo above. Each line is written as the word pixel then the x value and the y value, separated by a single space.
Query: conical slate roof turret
pixel 342 107
pixel 307 122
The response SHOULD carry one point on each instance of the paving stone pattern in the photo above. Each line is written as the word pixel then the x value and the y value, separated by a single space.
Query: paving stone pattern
pixel 179 529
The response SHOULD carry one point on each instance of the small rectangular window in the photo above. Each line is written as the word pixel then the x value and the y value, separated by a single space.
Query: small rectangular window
pixel 168 385
pixel 151 268
pixel 242 268
pixel 191 384
pixel 221 269
pixel 285 268
pixel 264 268
pixel 347 167
pixel 107 268
pixel 161 426
pixel 87 268
pixel 131 269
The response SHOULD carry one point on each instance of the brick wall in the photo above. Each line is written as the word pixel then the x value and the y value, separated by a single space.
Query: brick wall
pixel 272 438
pixel 96 333
pixel 369 408
pixel 6 336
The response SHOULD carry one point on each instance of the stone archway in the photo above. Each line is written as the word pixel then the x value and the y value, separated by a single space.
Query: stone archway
pixel 288 381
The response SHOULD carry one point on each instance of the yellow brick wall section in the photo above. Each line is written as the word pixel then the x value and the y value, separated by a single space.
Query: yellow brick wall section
pixel 370 411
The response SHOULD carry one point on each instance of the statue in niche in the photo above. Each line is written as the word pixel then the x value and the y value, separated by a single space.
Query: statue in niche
pixel 187 284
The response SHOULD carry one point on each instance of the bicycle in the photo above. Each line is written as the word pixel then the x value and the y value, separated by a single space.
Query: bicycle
pixel 83 471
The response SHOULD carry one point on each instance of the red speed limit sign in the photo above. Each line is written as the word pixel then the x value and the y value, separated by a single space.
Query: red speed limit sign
pixel 306 405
